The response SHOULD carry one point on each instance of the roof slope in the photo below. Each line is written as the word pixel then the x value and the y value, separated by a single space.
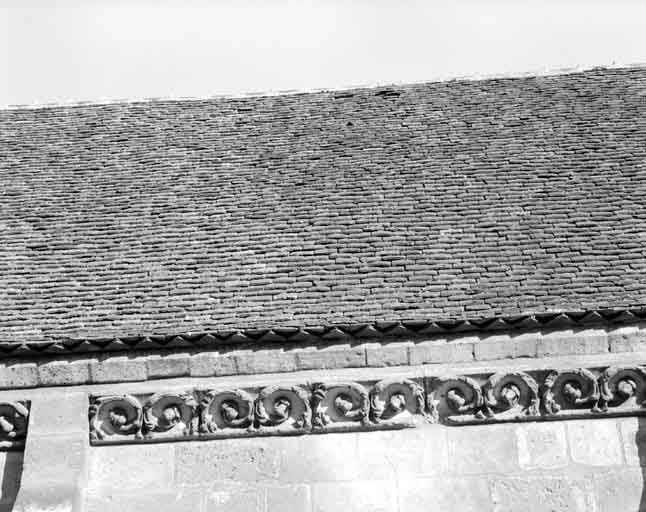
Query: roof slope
pixel 462 199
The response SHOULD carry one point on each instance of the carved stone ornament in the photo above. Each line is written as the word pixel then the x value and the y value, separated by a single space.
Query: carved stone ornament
pixel 225 410
pixel 170 415
pixel 339 405
pixel 14 417
pixel 397 401
pixel 283 408
pixel 511 396
pixel 623 389
pixel 115 416
pixel 570 392
pixel 455 400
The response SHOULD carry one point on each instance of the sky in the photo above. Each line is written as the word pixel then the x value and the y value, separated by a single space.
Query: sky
pixel 54 51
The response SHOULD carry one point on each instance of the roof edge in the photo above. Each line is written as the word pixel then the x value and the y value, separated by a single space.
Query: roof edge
pixel 542 72
pixel 332 333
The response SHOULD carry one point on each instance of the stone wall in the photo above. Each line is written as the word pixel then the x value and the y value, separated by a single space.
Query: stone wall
pixel 574 466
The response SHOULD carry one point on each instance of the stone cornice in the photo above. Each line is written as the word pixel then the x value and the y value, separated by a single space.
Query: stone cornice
pixel 341 333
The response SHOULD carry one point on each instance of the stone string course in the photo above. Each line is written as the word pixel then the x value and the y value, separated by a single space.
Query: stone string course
pixel 249 359
pixel 507 396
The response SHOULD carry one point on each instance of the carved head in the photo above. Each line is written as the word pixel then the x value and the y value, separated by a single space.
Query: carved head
pixel 510 395
pixel 229 410
pixel 171 415
pixel 118 417
pixel 282 407
pixel 572 391
pixel 626 387
pixel 397 402
pixel 343 404
pixel 455 399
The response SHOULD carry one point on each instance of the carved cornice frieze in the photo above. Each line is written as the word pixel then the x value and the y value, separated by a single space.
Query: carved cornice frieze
pixel 321 407
pixel 410 329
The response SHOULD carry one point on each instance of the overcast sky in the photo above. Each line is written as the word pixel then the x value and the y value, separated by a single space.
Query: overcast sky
pixel 72 50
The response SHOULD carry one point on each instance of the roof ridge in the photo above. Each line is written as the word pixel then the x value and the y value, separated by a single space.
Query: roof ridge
pixel 542 72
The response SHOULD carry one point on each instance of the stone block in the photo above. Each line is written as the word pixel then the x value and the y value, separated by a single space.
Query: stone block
pixel 211 364
pixel 234 499
pixel 265 361
pixel 440 352
pixel 620 491
pixel 391 453
pixel 387 354
pixel 594 443
pixel 62 413
pixel 542 445
pixel 61 373
pixel 373 496
pixel 330 357
pixel 293 498
pixel 130 468
pixel 494 347
pixel 556 494
pixel 318 458
pixel 240 460
pixel 631 338
pixel 18 375
pixel 482 449
pixel 10 475
pixel 526 344
pixel 119 369
pixel 172 365
pixel 156 499
pixel 633 440
pixel 568 342
pixel 444 494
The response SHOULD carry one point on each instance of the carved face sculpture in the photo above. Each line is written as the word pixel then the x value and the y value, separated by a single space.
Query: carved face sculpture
pixel 118 417
pixel 229 410
pixel 282 407
pixel 171 415
pixel 343 404
pixel 626 387
pixel 510 395
pixel 397 402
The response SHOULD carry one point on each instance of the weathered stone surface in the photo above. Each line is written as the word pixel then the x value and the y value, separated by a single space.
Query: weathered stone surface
pixel 56 373
pixel 172 365
pixel 494 347
pixel 387 354
pixel 466 494
pixel 235 499
pixel 587 341
pixel 542 445
pixel 539 494
pixel 391 454
pixel 129 468
pixel 441 352
pixel 265 361
pixel 633 439
pixel 155 499
pixel 66 414
pixel 484 449
pixel 212 364
pixel 293 498
pixel 235 459
pixel 341 356
pixel 375 496
pixel 18 375
pixel 631 338
pixel 119 369
pixel 620 490
pixel 594 443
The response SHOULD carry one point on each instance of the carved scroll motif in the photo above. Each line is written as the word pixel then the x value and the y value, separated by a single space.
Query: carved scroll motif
pixel 397 401
pixel 226 410
pixel 170 415
pixel 570 392
pixel 115 416
pixel 339 405
pixel 511 396
pixel 283 408
pixel 455 400
pixel 622 389
pixel 14 417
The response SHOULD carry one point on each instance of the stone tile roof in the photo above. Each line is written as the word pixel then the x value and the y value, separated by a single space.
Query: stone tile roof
pixel 442 201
